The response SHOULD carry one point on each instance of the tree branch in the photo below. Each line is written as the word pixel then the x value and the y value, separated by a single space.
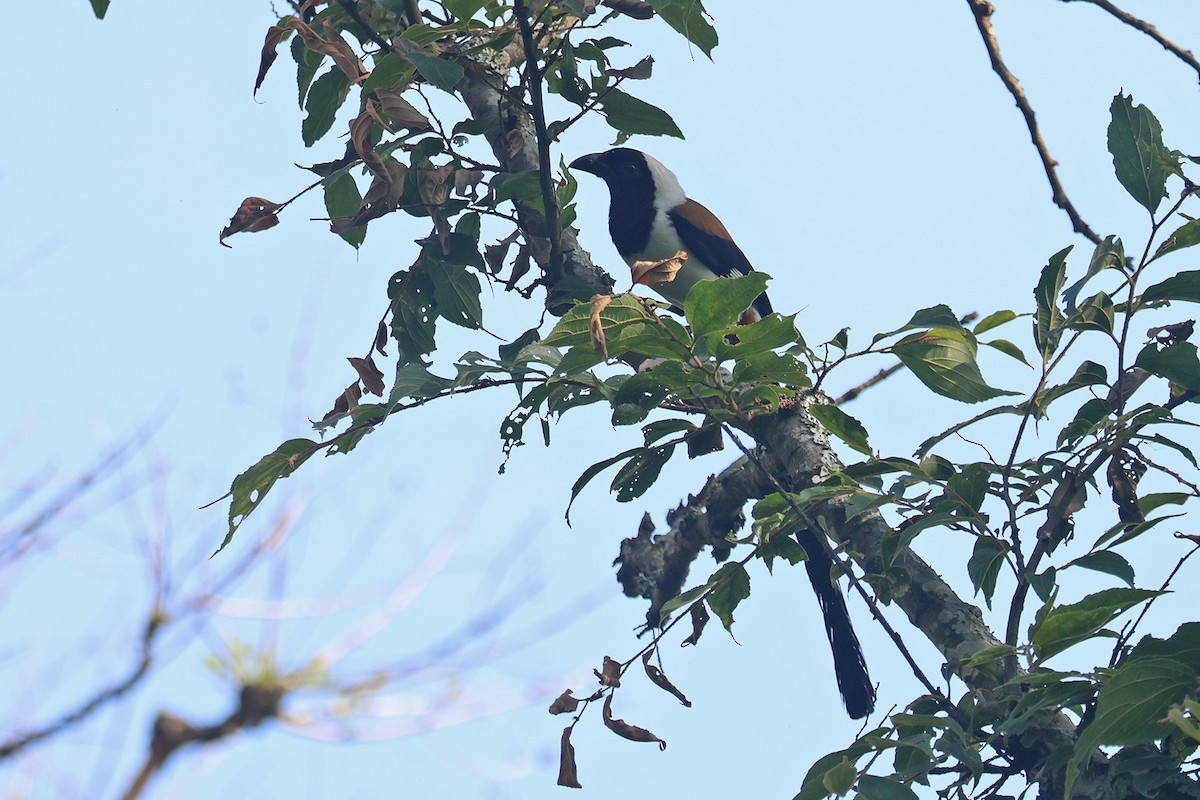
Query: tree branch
pixel 1145 27
pixel 983 10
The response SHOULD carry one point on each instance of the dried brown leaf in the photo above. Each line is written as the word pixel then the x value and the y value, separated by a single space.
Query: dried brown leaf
pixel 638 72
pixel 610 674
pixel 371 375
pixel 567 774
pixel 335 47
pixel 402 113
pixel 564 703
pixel 361 128
pixel 495 254
pixel 700 618
pixel 522 263
pixel 253 215
pixel 465 181
pixel 596 326
pixel 655 273
pixel 657 677
pixel 1124 471
pixel 623 729
pixel 435 185
pixel 381 338
pixel 382 197
pixel 346 401
pixel 269 48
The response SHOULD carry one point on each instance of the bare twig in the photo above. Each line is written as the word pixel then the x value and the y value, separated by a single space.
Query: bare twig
pixel 1145 27
pixel 878 377
pixel 983 10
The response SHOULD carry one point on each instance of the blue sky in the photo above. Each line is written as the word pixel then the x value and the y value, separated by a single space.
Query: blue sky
pixel 864 155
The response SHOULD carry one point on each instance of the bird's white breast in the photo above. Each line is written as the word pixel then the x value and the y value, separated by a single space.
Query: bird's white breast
pixel 664 243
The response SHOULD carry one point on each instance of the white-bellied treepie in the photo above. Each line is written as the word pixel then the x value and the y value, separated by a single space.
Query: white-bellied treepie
pixel 650 218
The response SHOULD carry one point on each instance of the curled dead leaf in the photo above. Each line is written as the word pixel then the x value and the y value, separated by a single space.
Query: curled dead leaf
pixel 638 72
pixel 335 47
pixel 495 254
pixel 626 731
pixel 660 680
pixel 465 181
pixel 371 375
pixel 253 215
pixel 382 334
pixel 269 52
pixel 596 326
pixel 1124 471
pixel 361 128
pixel 610 674
pixel 655 273
pixel 400 112
pixel 564 703
pixel 435 185
pixel 382 197
pixel 346 401
pixel 700 618
pixel 567 774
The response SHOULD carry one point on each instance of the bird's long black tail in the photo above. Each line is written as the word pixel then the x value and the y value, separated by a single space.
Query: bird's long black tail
pixel 849 666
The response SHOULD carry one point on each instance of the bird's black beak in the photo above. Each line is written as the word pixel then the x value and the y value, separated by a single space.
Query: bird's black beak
pixel 590 163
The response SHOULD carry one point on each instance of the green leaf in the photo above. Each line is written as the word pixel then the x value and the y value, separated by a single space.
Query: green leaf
pixel 1177 363
pixel 416 381
pixel 682 600
pixel 1105 561
pixel 984 565
pixel 1008 348
pixel 714 305
pixel 1132 702
pixel 572 329
pixel 766 334
pixel 873 787
pixel 342 200
pixel 464 9
pixel 456 290
pixel 1048 320
pixel 1185 236
pixel 640 472
pixel 687 18
pixel 1109 254
pixel 414 312
pixel 771 367
pixel 1141 160
pixel 250 488
pixel 391 72
pixel 522 187
pixel 628 114
pixel 993 320
pixel 307 64
pixel 731 585
pixel 325 97
pixel 594 470
pixel 100 8
pixel 1181 286
pixel 1065 626
pixel 843 426
pixel 944 360
pixel 1096 313
pixel 1183 645
pixel 813 787
pixel 441 72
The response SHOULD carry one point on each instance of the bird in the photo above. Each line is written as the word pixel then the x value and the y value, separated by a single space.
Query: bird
pixel 650 218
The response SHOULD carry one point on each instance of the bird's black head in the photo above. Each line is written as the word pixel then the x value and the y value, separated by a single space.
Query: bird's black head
pixel 621 167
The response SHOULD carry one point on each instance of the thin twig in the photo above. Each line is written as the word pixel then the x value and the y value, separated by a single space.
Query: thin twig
pixel 983 10
pixel 1145 27
pixel 878 377
pixel 352 9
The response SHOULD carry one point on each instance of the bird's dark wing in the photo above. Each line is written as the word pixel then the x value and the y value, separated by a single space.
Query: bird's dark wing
pixel 707 239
